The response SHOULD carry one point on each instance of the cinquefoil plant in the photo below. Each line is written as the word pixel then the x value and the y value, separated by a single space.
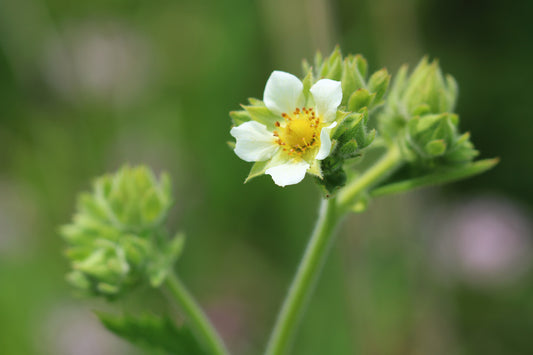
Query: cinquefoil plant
pixel 317 125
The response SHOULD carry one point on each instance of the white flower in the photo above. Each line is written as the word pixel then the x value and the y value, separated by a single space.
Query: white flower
pixel 299 136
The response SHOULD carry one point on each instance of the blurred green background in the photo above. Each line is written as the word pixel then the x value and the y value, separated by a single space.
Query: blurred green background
pixel 86 86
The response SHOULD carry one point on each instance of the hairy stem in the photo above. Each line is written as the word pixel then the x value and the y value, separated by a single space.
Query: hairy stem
pixel 331 212
pixel 305 278
pixel 383 168
pixel 197 318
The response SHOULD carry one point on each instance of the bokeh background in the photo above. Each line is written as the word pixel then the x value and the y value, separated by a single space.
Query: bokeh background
pixel 86 86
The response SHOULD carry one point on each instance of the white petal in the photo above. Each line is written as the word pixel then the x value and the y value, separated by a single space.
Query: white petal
pixel 283 93
pixel 289 173
pixel 325 142
pixel 328 96
pixel 254 141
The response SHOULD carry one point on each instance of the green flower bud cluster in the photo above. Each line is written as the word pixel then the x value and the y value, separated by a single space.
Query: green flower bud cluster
pixel 418 114
pixel 116 239
pixel 359 95
pixel 433 139
pixel 358 91
pixel 350 138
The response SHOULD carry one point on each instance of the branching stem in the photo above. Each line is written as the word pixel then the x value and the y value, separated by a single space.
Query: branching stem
pixel 330 215
pixel 197 318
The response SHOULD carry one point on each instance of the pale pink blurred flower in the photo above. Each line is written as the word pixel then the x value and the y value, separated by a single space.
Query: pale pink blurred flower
pixel 74 330
pixel 231 320
pixel 106 61
pixel 484 241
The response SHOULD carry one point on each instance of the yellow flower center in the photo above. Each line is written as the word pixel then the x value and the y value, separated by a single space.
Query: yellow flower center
pixel 299 132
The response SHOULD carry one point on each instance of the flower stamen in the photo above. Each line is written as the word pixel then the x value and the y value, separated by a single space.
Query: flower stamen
pixel 299 131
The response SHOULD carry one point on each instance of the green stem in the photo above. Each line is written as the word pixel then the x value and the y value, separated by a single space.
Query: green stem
pixel 331 212
pixel 305 278
pixel 199 321
pixel 437 178
pixel 384 167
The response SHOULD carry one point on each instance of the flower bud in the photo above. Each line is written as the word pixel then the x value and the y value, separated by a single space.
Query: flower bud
pixel 425 91
pixel 434 139
pixel 350 138
pixel 418 115
pixel 378 84
pixel 359 99
pixel 116 235
pixel 352 71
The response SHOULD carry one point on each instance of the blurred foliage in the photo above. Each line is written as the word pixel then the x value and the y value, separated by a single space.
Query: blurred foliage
pixel 88 86
pixel 152 332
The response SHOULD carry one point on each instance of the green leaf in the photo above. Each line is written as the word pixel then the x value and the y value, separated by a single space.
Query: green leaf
pixel 153 332
pixel 438 178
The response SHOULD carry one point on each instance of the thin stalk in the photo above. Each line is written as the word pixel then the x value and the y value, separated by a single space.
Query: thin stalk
pixel 197 318
pixel 331 212
pixel 384 167
pixel 303 283
pixel 440 177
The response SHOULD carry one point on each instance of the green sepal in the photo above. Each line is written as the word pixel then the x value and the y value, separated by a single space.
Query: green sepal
pixel 348 123
pixel 239 117
pixel 262 115
pixel 258 169
pixel 331 68
pixel 152 332
pixel 255 102
pixel 378 84
pixel 352 79
pixel 315 169
pixel 361 64
pixel 398 84
pixel 349 150
pixel 349 139
pixel 436 147
pixel 335 68
pixel 452 92
pixel 359 99
pixel 307 83
pixel 332 180
pixel 306 67
pixel 421 110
